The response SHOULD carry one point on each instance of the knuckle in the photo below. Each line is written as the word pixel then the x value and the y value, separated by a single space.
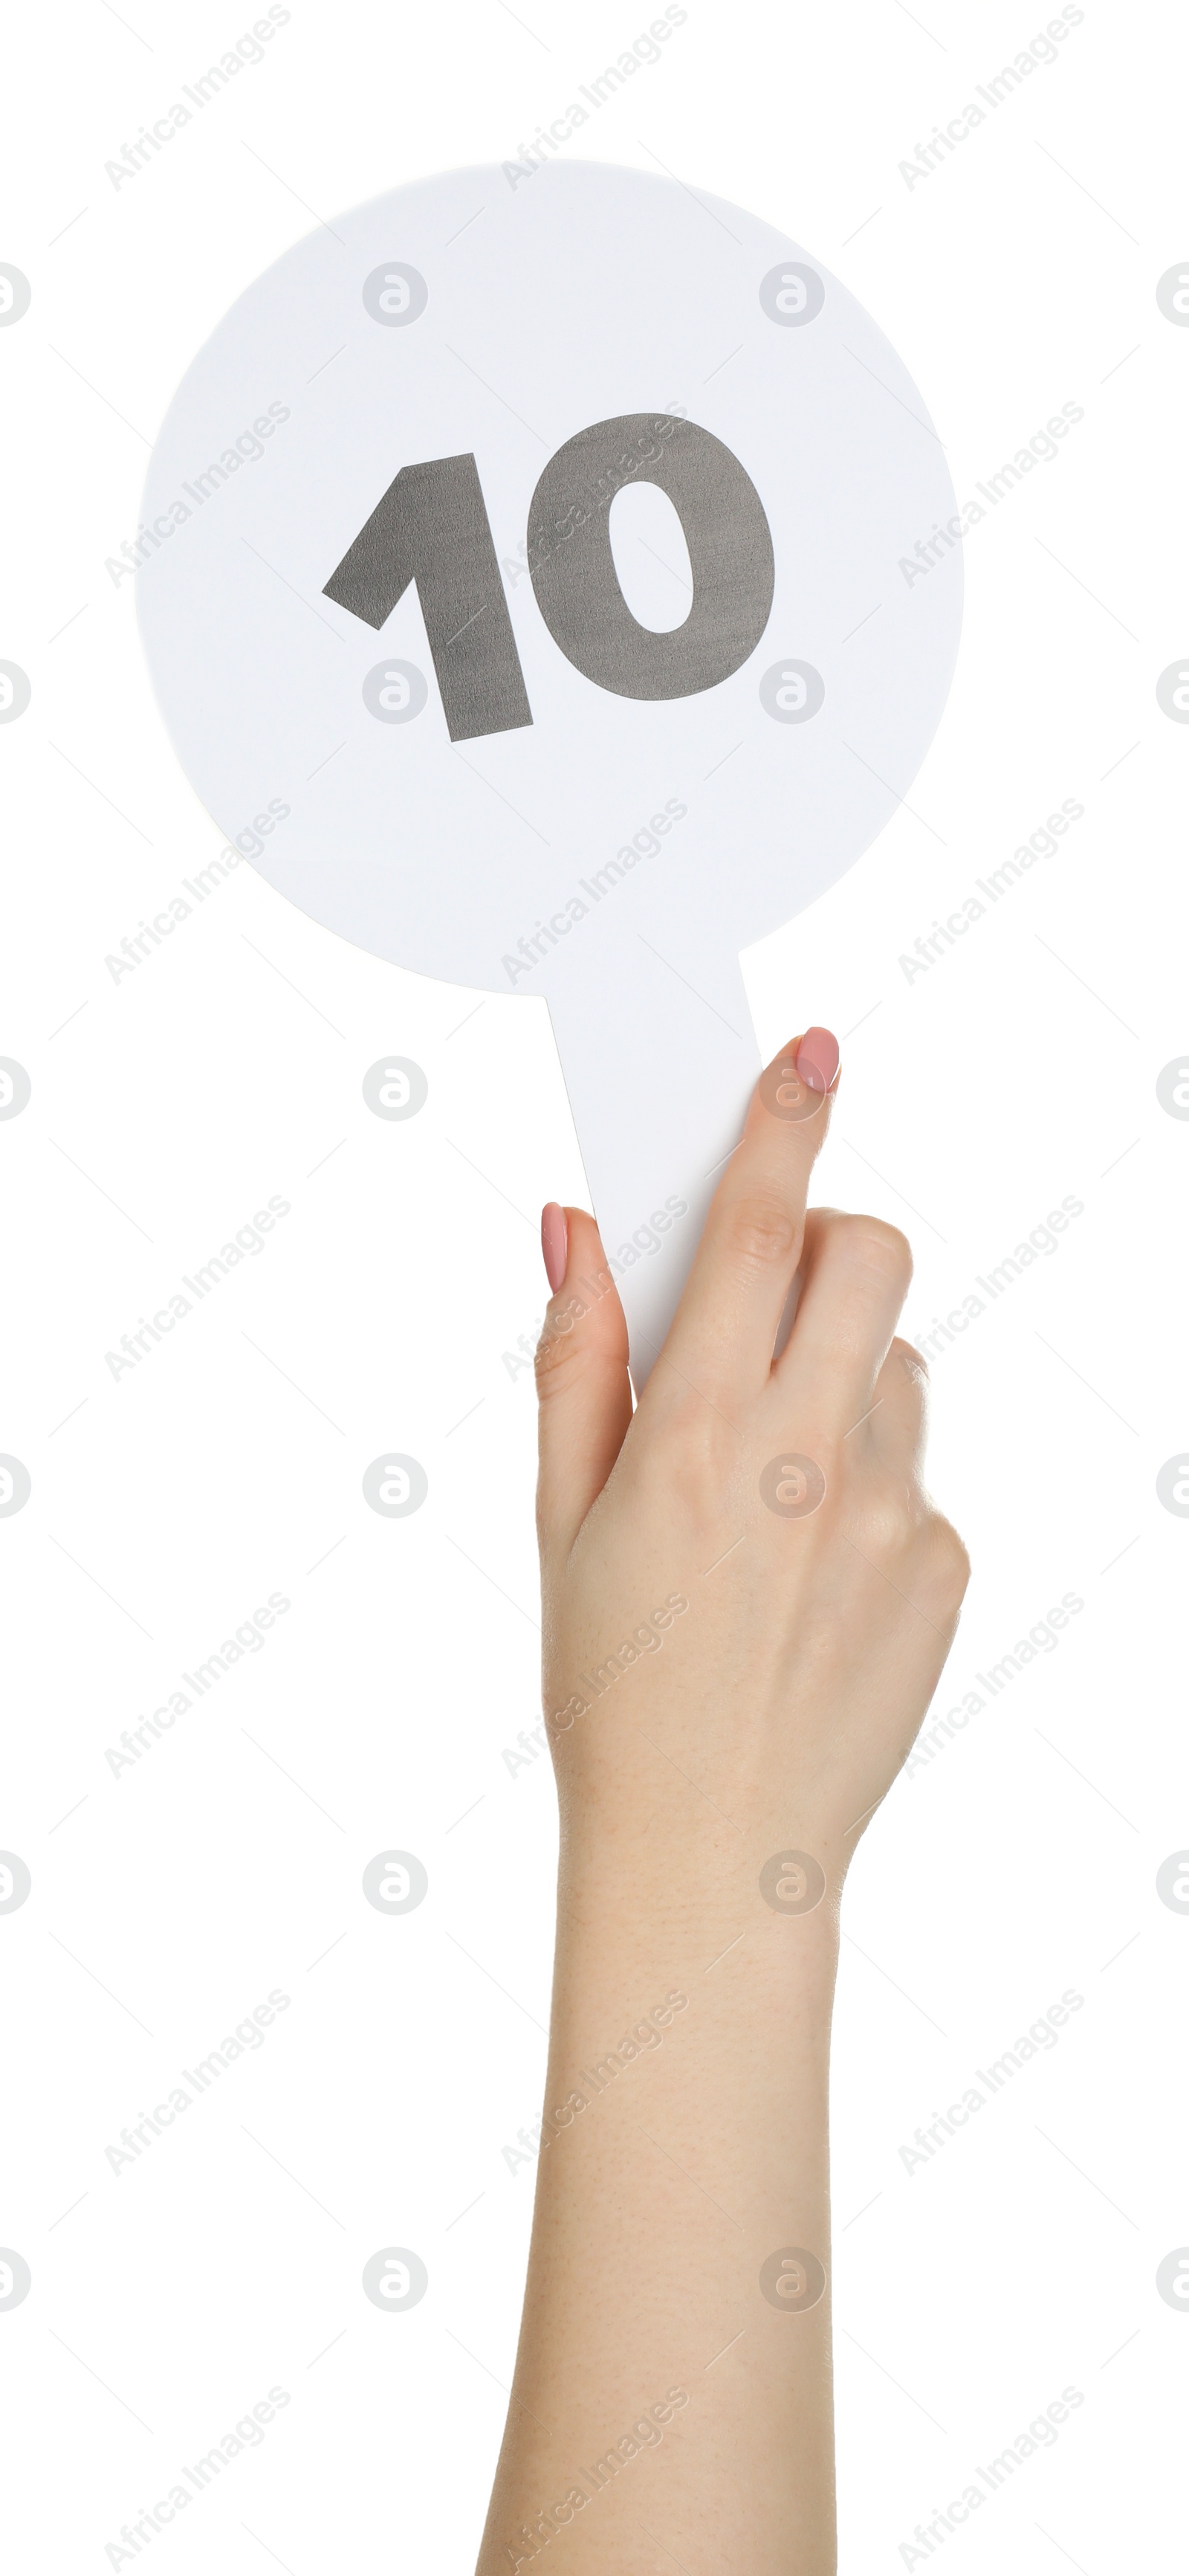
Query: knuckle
pixel 949 1563
pixel 557 1357
pixel 682 1453
pixel 695 1454
pixel 761 1232
pixel 887 1521
pixel 871 1244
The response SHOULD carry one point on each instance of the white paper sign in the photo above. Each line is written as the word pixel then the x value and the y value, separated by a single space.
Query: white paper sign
pixel 540 547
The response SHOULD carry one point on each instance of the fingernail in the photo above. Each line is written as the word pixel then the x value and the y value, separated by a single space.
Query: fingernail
pixel 555 1244
pixel 817 1058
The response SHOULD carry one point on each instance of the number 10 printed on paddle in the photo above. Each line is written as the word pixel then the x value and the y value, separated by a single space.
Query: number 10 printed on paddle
pixel 432 528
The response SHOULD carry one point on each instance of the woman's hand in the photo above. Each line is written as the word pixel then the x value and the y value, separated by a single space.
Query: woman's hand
pixel 779 1504
pixel 748 1599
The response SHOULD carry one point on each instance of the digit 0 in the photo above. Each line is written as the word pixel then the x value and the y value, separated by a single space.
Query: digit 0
pixel 726 533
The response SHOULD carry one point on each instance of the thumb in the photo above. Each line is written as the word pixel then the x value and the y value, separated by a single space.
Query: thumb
pixel 583 1390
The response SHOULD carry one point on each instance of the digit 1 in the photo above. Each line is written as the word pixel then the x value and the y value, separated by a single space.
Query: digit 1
pixel 573 569
pixel 431 527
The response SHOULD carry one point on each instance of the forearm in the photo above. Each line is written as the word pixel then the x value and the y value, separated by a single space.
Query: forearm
pixel 685 2144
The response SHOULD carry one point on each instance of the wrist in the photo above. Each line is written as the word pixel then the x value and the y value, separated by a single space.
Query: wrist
pixel 690 1883
pixel 692 1968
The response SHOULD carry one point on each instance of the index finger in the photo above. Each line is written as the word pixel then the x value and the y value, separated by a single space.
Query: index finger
pixel 723 1333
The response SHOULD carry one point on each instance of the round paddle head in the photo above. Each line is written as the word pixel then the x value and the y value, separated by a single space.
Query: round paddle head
pixel 547 586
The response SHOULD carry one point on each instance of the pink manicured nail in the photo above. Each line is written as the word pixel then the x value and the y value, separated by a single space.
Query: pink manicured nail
pixel 555 1244
pixel 817 1058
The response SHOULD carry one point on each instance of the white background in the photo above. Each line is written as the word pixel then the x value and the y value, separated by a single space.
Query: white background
pixel 1019 1070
